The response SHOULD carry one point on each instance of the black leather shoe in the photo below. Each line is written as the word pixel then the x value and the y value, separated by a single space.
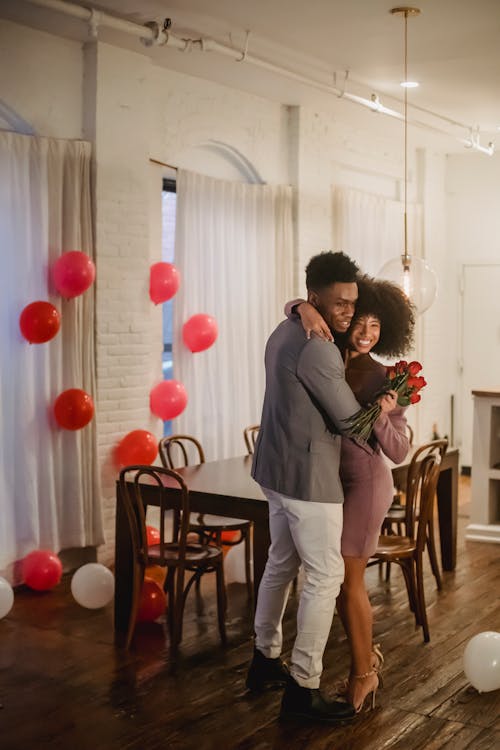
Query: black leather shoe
pixel 307 704
pixel 266 674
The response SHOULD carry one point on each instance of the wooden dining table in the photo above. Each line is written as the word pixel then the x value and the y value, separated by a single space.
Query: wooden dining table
pixel 225 488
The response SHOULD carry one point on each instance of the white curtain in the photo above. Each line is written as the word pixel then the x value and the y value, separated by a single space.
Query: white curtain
pixel 49 482
pixel 370 228
pixel 234 249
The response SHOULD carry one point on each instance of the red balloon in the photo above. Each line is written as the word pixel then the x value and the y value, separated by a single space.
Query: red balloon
pixel 153 601
pixel 137 447
pixel 73 273
pixel 199 332
pixel 164 280
pixel 230 536
pixel 153 535
pixel 73 409
pixel 42 570
pixel 39 322
pixel 168 399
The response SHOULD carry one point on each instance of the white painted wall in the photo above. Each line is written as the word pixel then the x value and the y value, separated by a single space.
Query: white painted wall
pixel 133 110
pixel 473 216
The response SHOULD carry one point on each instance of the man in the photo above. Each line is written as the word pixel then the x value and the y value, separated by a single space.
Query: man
pixel 296 462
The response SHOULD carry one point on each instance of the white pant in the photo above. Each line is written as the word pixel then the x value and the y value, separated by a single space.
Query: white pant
pixel 308 533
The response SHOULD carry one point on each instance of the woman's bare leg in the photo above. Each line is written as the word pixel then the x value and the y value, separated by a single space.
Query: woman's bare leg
pixel 354 608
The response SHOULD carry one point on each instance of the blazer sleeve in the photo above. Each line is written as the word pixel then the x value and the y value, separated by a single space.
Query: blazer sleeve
pixel 290 305
pixel 390 432
pixel 321 370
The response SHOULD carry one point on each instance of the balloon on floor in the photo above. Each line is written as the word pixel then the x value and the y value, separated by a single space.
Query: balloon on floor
pixel 482 661
pixel 93 586
pixel 6 597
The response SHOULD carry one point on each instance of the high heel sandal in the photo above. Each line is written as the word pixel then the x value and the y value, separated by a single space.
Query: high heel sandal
pixel 372 691
pixel 376 663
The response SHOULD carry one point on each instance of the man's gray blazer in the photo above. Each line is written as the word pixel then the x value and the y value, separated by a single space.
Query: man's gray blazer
pixel 297 452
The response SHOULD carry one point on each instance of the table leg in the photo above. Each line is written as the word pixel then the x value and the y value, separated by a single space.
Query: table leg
pixel 261 542
pixel 124 572
pixel 447 496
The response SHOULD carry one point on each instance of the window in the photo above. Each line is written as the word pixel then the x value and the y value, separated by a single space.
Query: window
pixel 168 253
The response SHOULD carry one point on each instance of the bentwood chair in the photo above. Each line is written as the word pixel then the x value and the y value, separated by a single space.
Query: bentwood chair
pixel 404 515
pixel 407 551
pixel 177 451
pixel 250 436
pixel 174 552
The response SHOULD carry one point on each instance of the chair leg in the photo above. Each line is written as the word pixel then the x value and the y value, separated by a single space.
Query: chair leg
pixel 248 562
pixel 387 572
pixel 221 603
pixel 421 599
pixel 431 547
pixel 137 581
pixel 408 574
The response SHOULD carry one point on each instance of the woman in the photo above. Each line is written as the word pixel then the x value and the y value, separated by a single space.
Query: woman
pixel 383 324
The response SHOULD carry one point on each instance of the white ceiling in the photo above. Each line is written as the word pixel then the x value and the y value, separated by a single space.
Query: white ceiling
pixel 453 47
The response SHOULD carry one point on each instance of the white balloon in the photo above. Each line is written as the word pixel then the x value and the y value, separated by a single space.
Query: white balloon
pixel 482 661
pixel 6 597
pixel 93 586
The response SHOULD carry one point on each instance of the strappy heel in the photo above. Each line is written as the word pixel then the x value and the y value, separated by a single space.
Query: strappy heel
pixel 371 692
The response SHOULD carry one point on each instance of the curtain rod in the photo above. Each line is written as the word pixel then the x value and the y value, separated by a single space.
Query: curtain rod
pixel 163 164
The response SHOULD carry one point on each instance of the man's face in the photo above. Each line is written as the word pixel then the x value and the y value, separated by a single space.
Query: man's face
pixel 336 303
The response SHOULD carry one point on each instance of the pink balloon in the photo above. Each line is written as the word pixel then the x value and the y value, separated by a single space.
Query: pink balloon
pixel 73 273
pixel 199 332
pixel 164 280
pixel 42 570
pixel 168 399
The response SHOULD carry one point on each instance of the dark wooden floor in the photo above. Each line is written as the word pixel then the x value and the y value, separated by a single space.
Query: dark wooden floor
pixel 63 684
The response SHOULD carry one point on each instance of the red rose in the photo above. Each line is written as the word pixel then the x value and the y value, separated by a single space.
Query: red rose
pixel 414 367
pixel 401 366
pixel 416 382
pixel 414 398
pixel 391 373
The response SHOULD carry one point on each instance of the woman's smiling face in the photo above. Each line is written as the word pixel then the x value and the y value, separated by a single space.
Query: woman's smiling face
pixel 364 333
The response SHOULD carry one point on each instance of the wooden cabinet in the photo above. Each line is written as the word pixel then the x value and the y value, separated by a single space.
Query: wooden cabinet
pixel 485 511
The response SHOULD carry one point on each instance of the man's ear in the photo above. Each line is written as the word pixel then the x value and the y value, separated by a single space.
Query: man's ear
pixel 312 298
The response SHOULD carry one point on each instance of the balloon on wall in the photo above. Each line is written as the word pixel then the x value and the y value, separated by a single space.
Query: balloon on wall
pixel 39 322
pixel 93 586
pixel 73 409
pixel 199 332
pixel 482 661
pixel 137 447
pixel 168 399
pixel 152 603
pixel 41 570
pixel 164 281
pixel 73 273
pixel 6 597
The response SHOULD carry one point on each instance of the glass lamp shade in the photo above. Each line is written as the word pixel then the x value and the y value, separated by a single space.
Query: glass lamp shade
pixel 417 280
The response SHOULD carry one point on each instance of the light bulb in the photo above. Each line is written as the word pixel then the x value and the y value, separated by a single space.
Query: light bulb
pixel 417 280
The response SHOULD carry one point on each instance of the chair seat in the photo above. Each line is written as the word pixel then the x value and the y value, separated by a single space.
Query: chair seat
pixel 392 544
pixel 195 553
pixel 218 523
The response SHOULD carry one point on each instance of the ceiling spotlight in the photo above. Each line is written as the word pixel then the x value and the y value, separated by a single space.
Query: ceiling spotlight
pixel 409 84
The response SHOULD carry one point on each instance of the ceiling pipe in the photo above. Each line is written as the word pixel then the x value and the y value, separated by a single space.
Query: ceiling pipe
pixel 152 34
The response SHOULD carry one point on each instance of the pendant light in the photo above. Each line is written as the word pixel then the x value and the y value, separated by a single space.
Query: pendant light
pixel 414 275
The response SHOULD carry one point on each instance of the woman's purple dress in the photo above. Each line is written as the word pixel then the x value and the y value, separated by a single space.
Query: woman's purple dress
pixel 365 474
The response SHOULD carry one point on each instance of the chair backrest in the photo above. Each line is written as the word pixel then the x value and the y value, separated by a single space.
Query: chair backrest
pixel 134 484
pixel 250 437
pixel 180 450
pixel 429 469
pixel 415 477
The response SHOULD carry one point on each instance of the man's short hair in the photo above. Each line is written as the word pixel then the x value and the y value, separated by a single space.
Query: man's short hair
pixel 330 268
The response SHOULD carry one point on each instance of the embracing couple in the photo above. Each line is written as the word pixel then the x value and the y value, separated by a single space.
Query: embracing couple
pixel 328 494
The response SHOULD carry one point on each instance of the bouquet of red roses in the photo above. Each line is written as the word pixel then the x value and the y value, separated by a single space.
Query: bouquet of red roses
pixel 404 379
